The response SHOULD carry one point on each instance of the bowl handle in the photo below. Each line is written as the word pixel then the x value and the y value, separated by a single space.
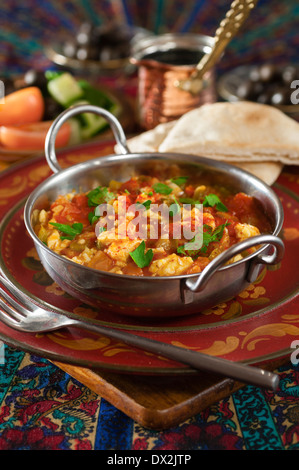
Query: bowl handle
pixel 190 286
pixel 73 111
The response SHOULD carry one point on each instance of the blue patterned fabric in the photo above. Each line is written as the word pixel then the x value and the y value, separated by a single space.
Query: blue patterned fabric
pixel 42 408
pixel 271 33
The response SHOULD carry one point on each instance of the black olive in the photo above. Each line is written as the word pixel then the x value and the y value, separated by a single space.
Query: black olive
pixel 124 50
pixel 267 73
pixel 281 97
pixel 105 54
pixel 69 49
pixel 258 88
pixel 246 90
pixel 289 74
pixel 84 34
pixel 35 78
pixel 52 109
pixel 92 52
pixel 82 53
pixel 254 74
pixel 264 98
pixel 98 43
pixel 9 85
pixel 109 53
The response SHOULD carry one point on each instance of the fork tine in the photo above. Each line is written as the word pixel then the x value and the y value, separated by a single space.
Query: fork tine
pixel 20 296
pixel 14 316
pixel 12 302
pixel 6 319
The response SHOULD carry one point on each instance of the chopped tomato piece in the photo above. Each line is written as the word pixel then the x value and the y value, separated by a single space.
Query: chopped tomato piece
pixel 189 190
pixel 81 200
pixel 22 107
pixel 248 211
pixel 32 136
pixel 131 186
pixel 198 265
pixel 72 211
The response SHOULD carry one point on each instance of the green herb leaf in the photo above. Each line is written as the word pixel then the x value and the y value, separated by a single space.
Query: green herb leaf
pixel 212 200
pixel 197 243
pixel 93 218
pixel 141 258
pixel 70 231
pixel 208 236
pixel 179 180
pixel 146 204
pixel 99 195
pixel 188 200
pixel 175 208
pixel 162 188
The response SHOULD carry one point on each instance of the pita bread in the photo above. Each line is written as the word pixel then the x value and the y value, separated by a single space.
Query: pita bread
pixel 236 132
pixel 151 141
pixel 266 171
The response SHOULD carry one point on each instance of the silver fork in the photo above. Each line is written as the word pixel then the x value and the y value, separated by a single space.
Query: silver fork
pixel 23 314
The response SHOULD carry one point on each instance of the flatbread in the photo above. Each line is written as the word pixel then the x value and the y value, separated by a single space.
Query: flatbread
pixel 266 171
pixel 151 141
pixel 236 132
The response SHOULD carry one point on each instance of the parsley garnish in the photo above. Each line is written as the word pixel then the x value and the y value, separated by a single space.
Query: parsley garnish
pixel 99 195
pixel 212 200
pixel 179 180
pixel 146 204
pixel 70 231
pixel 95 215
pixel 162 188
pixel 188 200
pixel 208 236
pixel 212 236
pixel 92 218
pixel 141 258
pixel 174 208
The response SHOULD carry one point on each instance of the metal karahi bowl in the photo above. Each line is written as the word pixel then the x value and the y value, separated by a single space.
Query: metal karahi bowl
pixel 152 297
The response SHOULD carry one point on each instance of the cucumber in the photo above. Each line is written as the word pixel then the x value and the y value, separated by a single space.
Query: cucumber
pixel 93 123
pixel 75 137
pixel 96 124
pixel 51 74
pixel 68 91
pixel 90 123
pixel 94 95
pixel 65 89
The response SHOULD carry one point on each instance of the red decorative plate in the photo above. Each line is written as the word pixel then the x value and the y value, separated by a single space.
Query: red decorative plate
pixel 256 326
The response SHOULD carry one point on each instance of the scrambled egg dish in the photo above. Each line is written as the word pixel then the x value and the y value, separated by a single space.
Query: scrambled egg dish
pixel 199 222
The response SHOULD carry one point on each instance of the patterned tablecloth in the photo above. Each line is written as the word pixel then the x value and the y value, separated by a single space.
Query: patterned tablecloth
pixel 42 407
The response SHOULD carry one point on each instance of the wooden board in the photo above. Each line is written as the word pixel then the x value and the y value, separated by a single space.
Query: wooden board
pixel 158 402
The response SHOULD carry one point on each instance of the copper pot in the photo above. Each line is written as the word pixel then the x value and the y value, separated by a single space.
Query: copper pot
pixel 162 61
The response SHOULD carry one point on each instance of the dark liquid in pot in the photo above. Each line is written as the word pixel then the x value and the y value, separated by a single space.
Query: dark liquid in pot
pixel 175 57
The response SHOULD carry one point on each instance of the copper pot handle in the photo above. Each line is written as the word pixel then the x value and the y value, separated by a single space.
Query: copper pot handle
pixel 73 111
pixel 201 281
